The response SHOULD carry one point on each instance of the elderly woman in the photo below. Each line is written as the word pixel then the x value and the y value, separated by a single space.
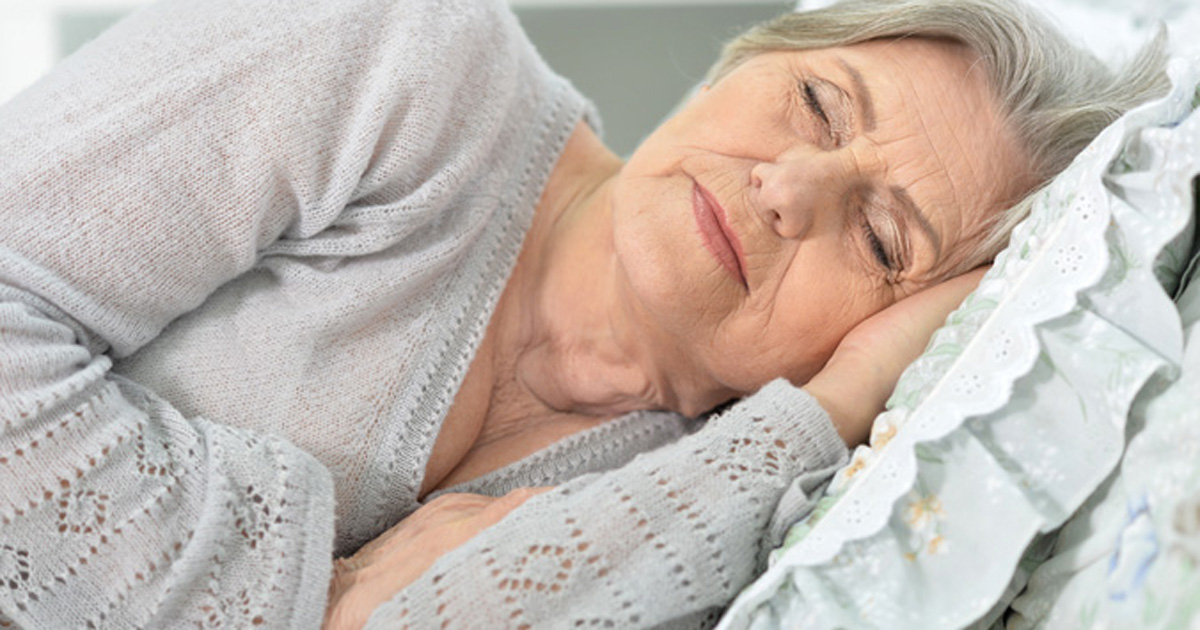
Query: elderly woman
pixel 267 263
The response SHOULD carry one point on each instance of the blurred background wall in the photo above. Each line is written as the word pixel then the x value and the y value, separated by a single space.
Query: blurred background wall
pixel 636 60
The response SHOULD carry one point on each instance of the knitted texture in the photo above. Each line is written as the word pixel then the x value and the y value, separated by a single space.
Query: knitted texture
pixel 415 180
pixel 115 511
pixel 295 215
pixel 665 541
pixel 603 447
pixel 287 222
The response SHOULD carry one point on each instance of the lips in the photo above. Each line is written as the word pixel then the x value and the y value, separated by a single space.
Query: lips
pixel 719 240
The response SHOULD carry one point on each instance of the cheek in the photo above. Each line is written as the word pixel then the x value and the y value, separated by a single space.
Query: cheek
pixel 735 119
pixel 673 279
pixel 794 334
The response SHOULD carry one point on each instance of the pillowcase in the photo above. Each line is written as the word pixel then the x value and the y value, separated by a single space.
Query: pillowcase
pixel 1128 557
pixel 1017 410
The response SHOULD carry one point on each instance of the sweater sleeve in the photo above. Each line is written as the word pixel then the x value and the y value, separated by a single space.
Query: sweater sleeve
pixel 166 158
pixel 667 540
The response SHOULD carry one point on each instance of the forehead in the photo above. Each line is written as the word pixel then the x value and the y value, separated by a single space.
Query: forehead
pixel 936 127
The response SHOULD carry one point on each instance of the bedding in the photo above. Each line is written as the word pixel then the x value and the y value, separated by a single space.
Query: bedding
pixel 1017 413
pixel 1129 557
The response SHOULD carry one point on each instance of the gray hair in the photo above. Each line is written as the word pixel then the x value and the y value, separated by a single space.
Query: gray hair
pixel 1055 97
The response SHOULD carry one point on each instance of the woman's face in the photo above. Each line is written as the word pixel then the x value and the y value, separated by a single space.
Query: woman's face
pixel 802 193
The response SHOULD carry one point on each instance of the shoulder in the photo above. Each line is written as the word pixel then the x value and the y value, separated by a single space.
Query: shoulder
pixel 309 27
pixel 444 37
pixel 434 22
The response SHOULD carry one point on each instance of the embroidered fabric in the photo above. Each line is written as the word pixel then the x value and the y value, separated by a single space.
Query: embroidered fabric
pixel 1128 557
pixel 1016 411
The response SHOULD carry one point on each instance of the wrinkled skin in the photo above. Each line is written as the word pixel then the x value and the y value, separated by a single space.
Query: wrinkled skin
pixel 813 182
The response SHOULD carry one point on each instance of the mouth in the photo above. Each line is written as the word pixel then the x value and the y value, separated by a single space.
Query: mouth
pixel 719 239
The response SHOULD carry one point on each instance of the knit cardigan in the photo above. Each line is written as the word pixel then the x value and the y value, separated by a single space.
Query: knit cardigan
pixel 248 251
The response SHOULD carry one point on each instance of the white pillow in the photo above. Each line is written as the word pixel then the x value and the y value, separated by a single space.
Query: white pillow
pixel 1128 557
pixel 1016 412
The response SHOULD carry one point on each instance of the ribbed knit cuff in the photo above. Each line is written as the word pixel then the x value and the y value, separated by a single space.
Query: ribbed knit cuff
pixel 812 439
pixel 819 444
pixel 603 447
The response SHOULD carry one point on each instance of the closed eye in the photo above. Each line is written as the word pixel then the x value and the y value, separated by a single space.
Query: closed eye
pixel 877 247
pixel 829 104
pixel 813 101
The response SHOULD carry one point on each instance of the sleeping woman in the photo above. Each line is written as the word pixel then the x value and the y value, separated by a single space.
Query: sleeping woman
pixel 294 280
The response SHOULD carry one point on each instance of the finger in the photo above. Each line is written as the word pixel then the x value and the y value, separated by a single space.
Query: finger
pixel 954 290
pixel 457 500
pixel 520 495
pixel 524 494
pixel 926 311
pixel 511 501
pixel 437 512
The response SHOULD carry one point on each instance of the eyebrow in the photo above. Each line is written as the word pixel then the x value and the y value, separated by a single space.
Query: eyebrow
pixel 911 209
pixel 862 96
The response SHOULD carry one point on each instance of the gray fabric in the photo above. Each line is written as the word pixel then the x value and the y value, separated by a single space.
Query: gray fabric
pixel 604 447
pixel 672 535
pixel 288 222
pixel 415 179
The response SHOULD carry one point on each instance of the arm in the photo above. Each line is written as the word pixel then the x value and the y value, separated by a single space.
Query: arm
pixel 673 536
pixel 400 555
pixel 116 511
pixel 170 156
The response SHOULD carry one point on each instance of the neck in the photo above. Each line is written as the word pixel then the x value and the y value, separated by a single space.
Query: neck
pixel 561 346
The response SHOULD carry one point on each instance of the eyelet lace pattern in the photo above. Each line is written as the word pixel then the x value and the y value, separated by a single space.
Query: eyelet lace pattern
pixel 1016 411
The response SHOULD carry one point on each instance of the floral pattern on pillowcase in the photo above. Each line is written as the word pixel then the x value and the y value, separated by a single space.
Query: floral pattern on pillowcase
pixel 1017 410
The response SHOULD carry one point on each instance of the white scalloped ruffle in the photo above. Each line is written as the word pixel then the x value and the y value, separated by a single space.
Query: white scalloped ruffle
pixel 1016 411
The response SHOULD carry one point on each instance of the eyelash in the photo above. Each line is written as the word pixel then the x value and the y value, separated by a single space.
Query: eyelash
pixel 814 103
pixel 876 244
pixel 879 250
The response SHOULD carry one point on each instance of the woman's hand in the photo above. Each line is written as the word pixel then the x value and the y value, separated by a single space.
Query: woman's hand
pixel 401 554
pixel 856 382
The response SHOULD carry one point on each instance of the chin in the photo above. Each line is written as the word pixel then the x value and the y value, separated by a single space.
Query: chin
pixel 661 295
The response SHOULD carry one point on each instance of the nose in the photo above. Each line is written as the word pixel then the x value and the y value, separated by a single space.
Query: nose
pixel 794 191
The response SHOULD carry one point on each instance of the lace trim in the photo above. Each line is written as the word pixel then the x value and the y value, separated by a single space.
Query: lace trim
pixel 1081 250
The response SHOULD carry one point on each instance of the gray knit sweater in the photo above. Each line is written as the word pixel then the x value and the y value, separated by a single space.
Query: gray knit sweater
pixel 248 251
